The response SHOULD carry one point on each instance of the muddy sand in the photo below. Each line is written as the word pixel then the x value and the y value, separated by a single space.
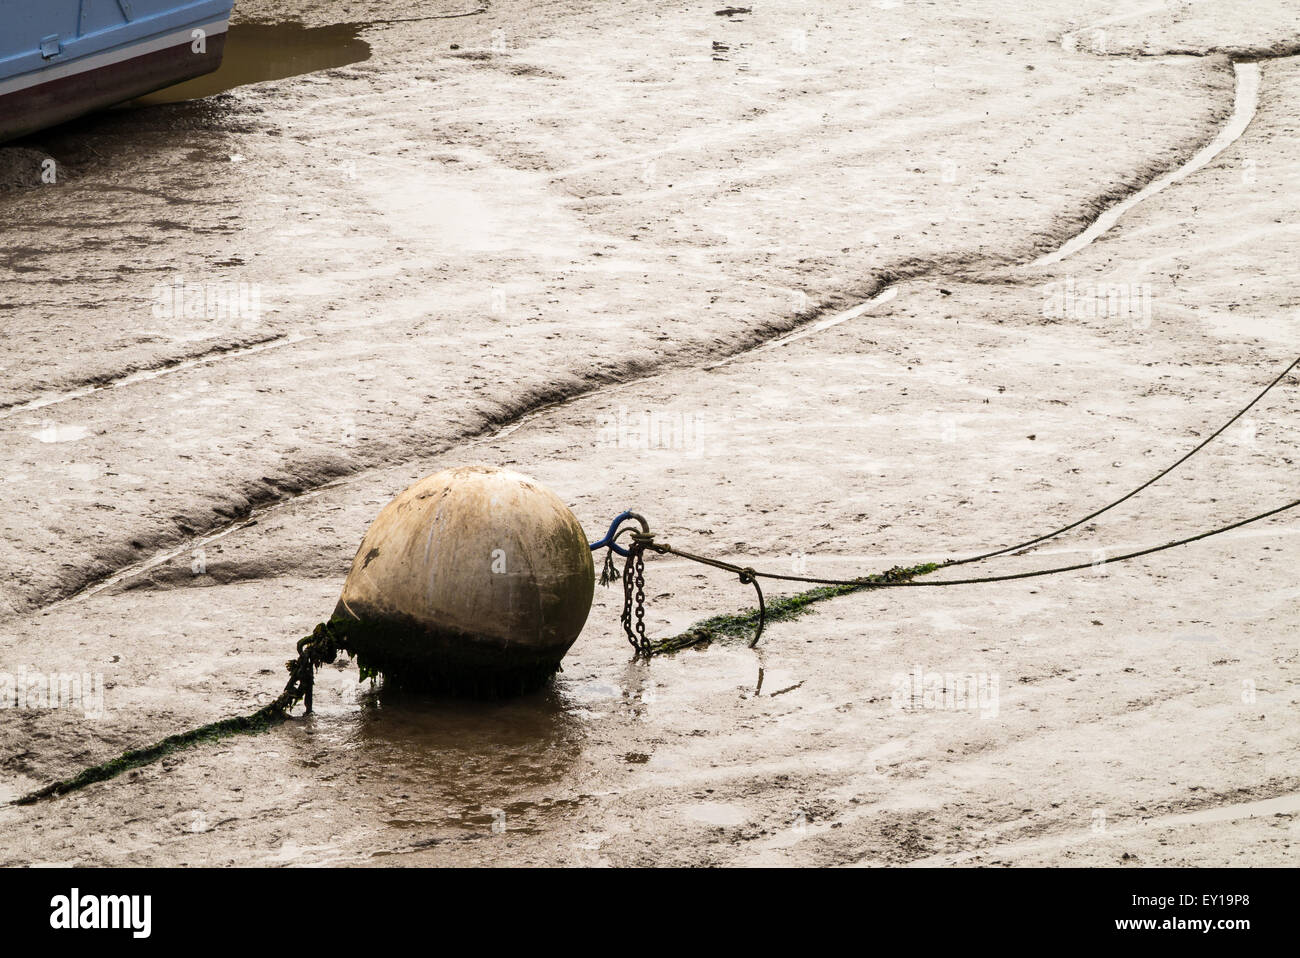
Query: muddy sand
pixel 630 250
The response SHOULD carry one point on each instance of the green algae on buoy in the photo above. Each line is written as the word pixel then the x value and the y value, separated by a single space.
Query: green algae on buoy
pixel 473 581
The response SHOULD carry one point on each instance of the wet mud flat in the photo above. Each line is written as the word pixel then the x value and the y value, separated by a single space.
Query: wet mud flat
pixel 186 497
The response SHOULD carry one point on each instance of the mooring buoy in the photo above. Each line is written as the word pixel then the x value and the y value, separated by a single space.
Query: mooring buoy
pixel 474 581
pixel 426 615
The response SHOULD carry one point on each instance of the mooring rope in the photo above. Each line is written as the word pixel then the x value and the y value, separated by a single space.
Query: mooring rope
pixel 319 648
pixel 633 617
pixel 898 577
pixel 328 639
pixel 1129 495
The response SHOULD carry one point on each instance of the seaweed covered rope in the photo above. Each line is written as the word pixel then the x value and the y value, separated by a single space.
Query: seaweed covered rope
pixel 641 539
pixel 320 648
pixel 897 577
pixel 330 638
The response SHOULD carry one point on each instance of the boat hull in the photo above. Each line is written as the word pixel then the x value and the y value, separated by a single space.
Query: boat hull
pixel 70 87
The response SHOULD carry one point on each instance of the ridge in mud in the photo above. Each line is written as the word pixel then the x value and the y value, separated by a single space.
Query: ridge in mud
pixel 111 568
pixel 1246 92
pixel 1069 237
pixel 1240 53
pixel 135 373
pixel 120 562
pixel 180 572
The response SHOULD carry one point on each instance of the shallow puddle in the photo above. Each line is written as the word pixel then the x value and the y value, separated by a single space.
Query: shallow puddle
pixel 458 753
pixel 719 814
pixel 256 52
pixel 53 432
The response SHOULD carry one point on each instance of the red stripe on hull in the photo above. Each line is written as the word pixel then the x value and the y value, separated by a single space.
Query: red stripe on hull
pixel 57 101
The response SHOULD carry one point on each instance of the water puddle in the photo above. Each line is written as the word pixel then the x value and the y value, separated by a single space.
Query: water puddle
pixel 449 755
pixel 53 432
pixel 256 52
pixel 719 814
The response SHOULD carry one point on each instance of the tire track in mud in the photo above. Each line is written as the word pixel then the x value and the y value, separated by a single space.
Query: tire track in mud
pixel 1286 804
pixel 1246 94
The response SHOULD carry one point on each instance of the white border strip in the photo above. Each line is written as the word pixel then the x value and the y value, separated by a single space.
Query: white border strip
pixel 100 60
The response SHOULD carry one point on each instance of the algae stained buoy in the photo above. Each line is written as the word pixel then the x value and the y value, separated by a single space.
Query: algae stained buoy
pixel 475 580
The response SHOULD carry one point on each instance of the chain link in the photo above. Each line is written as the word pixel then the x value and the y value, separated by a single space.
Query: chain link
pixel 629 583
pixel 634 598
pixel 642 643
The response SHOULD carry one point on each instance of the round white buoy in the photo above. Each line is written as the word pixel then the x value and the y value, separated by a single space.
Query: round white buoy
pixel 475 580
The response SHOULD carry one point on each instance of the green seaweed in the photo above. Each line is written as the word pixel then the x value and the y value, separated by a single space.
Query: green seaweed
pixel 730 625
pixel 779 609
pixel 136 758
pixel 314 650
pixel 409 654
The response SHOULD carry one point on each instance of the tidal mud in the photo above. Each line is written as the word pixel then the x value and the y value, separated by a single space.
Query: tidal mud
pixel 527 251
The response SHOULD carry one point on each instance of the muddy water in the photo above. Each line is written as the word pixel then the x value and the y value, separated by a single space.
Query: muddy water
pixel 485 748
pixel 256 52
pixel 453 769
